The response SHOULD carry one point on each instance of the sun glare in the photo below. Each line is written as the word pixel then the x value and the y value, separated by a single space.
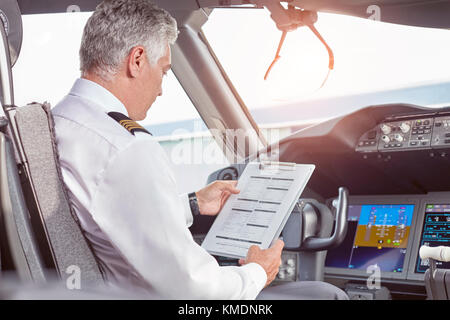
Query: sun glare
pixel 369 56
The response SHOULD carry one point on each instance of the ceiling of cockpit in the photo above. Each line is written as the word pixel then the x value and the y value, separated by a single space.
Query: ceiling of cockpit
pixel 435 14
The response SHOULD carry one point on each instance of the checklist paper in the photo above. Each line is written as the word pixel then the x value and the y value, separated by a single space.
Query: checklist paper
pixel 256 216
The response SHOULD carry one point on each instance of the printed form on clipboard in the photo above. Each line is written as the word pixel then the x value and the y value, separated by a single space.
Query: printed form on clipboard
pixel 257 215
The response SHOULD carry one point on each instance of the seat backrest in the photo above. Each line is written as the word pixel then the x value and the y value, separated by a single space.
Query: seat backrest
pixel 19 239
pixel 70 249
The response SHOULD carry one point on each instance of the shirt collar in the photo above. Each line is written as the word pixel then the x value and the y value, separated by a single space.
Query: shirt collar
pixel 97 94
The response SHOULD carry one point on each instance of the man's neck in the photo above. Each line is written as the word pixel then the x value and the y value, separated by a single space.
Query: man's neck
pixel 116 86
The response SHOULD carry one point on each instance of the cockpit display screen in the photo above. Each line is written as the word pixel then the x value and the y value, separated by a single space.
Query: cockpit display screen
pixel 435 232
pixel 377 235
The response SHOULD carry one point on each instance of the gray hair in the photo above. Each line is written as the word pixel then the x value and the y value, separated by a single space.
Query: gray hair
pixel 117 26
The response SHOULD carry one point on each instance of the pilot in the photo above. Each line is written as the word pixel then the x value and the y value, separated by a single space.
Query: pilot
pixel 117 175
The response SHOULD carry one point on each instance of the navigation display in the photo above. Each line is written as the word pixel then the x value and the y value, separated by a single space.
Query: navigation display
pixel 377 235
pixel 435 232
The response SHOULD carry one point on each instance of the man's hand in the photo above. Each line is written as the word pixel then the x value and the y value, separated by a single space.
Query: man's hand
pixel 212 197
pixel 269 259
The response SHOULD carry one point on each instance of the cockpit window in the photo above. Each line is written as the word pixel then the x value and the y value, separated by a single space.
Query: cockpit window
pixel 49 64
pixel 375 63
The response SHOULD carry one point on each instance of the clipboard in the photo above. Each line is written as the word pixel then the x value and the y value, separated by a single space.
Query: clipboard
pixel 269 192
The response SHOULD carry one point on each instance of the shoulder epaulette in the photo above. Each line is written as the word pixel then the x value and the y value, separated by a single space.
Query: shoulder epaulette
pixel 127 123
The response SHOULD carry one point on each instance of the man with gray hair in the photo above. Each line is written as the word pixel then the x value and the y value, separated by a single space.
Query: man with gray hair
pixel 117 175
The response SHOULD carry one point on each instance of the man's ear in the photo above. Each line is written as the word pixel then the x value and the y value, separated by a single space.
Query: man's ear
pixel 136 61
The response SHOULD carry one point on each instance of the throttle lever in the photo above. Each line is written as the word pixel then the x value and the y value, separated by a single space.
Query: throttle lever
pixel 439 253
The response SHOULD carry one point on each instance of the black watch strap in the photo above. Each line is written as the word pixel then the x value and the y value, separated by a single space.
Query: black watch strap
pixel 193 204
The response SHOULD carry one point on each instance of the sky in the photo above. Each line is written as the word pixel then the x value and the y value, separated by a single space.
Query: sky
pixel 369 56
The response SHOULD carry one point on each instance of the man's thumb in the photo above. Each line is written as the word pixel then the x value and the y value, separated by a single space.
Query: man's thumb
pixel 279 244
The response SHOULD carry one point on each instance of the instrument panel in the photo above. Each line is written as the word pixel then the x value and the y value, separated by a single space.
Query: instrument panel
pixel 407 132
pixel 384 232
pixel 392 159
pixel 378 235
pixel 387 232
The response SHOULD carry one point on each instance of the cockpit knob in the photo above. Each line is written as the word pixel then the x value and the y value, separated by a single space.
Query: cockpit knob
pixel 385 128
pixel 398 137
pixel 405 127
pixel 385 139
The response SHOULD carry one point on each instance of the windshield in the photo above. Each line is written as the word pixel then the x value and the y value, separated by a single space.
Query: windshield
pixel 49 64
pixel 375 63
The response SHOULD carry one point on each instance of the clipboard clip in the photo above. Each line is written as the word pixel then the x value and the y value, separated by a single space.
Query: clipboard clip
pixel 275 165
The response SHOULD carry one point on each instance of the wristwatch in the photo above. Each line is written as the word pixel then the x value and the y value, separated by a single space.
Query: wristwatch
pixel 194 204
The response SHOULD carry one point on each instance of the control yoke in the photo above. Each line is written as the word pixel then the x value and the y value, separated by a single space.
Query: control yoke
pixel 340 228
pixel 315 221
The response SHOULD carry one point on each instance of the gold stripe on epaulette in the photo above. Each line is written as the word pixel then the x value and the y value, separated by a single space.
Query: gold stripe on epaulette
pixel 126 121
pixel 129 123
pixel 132 126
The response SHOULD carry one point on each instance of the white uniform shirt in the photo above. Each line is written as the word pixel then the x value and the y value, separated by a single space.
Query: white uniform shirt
pixel 125 196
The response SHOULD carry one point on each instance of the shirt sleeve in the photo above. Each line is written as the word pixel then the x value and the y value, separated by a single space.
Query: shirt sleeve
pixel 187 209
pixel 136 204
